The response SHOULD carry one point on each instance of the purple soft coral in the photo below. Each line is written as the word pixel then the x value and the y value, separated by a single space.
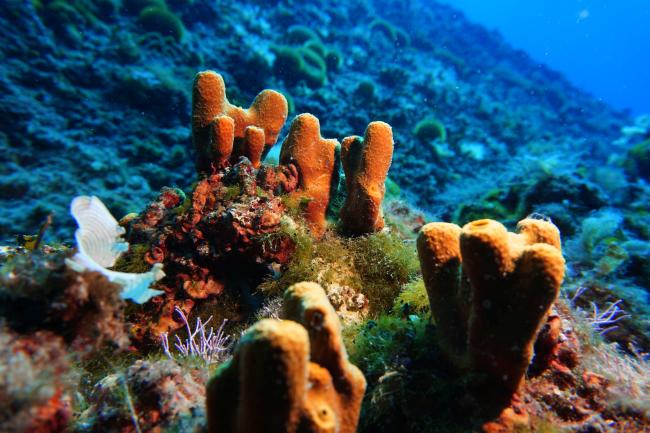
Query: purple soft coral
pixel 212 346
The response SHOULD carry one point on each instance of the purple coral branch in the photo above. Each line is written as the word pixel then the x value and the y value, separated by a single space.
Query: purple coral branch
pixel 605 321
pixel 601 321
pixel 212 346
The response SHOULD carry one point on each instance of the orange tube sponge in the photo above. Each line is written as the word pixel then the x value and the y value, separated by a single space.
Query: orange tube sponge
pixel 315 159
pixel 288 375
pixel 490 292
pixel 262 388
pixel 268 112
pixel 254 144
pixel 222 137
pixel 307 304
pixel 365 163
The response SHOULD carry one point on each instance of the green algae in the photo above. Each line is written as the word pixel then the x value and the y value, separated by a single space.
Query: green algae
pixel 300 268
pixel 232 192
pixel 133 260
pixel 413 299
pixel 365 90
pixel 374 344
pixel 384 263
pixel 393 190
pixel 376 265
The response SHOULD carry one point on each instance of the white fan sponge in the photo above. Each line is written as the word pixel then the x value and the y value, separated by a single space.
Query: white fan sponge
pixel 100 243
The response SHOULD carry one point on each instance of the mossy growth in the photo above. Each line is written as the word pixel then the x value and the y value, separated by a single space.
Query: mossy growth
pixel 67 18
pixel 288 62
pixel 314 69
pixel 158 19
pixel 232 192
pixel 410 385
pixel 317 47
pixel 377 265
pixel 413 299
pixel 133 260
pixel 295 204
pixel 300 268
pixel 505 205
pixel 374 345
pixel 300 64
pixel 384 263
pixel 298 34
pixel 104 363
pixel 430 129
pixel 539 427
pixel 184 207
pixel 134 7
pixel 333 59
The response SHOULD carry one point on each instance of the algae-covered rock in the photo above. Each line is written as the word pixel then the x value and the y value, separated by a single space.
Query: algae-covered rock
pixel 36 383
pixel 638 160
pixel 161 20
pixel 430 129
pixel 163 393
pixel 305 58
pixel 39 292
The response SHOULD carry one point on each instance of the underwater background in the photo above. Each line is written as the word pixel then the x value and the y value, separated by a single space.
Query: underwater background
pixel 499 110
pixel 599 45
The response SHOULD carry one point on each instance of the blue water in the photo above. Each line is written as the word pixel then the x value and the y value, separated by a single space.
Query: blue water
pixel 601 45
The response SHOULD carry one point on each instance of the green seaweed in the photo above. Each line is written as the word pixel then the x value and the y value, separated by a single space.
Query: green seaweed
pixel 392 189
pixel 232 192
pixel 384 263
pixel 638 161
pixel 413 299
pixel 298 34
pixel 133 260
pixel 392 32
pixel 374 344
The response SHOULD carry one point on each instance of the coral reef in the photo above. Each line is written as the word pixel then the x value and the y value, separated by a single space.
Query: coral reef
pixel 428 130
pixel 239 215
pixel 290 375
pixel 233 220
pixel 95 102
pixel 490 292
pixel 158 18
